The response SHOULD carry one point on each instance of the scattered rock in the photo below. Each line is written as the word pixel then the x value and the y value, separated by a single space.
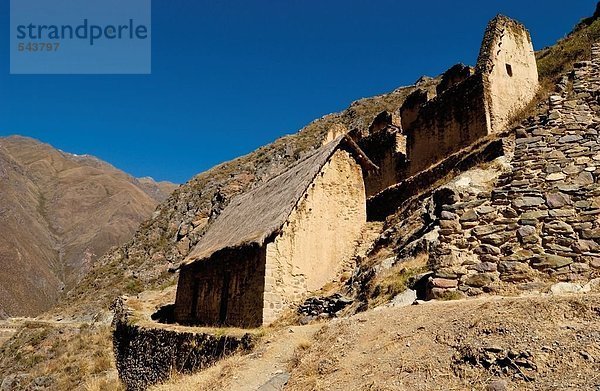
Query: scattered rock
pixel 404 299
pixel 324 306
pixel 497 385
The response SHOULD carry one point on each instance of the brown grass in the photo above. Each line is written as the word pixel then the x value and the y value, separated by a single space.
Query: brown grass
pixel 395 280
pixel 214 378
pixel 75 358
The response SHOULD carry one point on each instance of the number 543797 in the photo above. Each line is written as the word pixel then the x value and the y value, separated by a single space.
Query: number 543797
pixel 38 46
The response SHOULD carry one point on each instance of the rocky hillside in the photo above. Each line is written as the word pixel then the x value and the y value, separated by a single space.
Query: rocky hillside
pixel 180 221
pixel 60 212
pixel 162 241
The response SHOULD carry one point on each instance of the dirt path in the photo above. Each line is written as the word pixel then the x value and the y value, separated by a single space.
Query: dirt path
pixel 266 367
pixel 10 326
pixel 272 360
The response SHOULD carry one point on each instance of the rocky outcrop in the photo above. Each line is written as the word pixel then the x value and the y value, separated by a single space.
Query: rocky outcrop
pixel 541 222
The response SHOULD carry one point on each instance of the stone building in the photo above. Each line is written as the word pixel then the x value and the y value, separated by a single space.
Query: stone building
pixel 467 105
pixel 272 245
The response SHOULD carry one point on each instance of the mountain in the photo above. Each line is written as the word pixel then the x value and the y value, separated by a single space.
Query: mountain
pixel 60 212
pixel 142 263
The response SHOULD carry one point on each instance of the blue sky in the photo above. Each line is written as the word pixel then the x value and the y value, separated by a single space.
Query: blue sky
pixel 230 76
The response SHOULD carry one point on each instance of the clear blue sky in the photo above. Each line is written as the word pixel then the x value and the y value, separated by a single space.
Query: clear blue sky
pixel 230 76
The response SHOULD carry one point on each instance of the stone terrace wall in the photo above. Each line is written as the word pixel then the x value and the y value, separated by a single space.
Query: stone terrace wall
pixel 146 356
pixel 541 224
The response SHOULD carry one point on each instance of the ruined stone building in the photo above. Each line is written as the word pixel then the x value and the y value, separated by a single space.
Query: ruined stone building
pixel 468 105
pixel 272 245
pixel 291 236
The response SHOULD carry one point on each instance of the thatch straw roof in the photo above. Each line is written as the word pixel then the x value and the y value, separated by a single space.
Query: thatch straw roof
pixel 253 217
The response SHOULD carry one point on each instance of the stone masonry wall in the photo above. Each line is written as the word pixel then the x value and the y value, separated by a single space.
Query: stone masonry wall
pixel 318 238
pixel 387 149
pixel 225 290
pixel 446 124
pixel 541 223
pixel 146 356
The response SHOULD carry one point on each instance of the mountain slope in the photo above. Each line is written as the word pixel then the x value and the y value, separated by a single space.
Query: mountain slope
pixel 181 220
pixel 163 240
pixel 59 212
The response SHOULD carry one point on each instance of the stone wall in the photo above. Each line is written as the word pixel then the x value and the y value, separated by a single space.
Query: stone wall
pixel 146 356
pixel 541 223
pixel 507 63
pixel 468 107
pixel 318 238
pixel 387 149
pixel 446 124
pixel 227 289
pixel 388 201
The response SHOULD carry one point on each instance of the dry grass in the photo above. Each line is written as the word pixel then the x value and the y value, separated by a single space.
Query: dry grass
pixel 73 358
pixel 395 280
pixel 558 59
pixel 301 349
pixel 213 378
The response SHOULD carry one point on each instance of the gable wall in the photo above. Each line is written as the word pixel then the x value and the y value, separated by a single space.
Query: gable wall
pixel 507 61
pixel 318 238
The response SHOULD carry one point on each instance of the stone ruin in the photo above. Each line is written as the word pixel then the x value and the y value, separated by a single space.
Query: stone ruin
pixel 541 223
pixel 470 104
pixel 251 279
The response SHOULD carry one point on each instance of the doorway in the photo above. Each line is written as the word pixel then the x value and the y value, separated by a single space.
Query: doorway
pixel 224 297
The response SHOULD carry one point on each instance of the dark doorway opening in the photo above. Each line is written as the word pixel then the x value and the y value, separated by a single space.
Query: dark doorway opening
pixel 509 70
pixel 195 294
pixel 224 297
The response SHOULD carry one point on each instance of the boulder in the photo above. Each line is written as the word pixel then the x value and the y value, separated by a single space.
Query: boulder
pixel 444 283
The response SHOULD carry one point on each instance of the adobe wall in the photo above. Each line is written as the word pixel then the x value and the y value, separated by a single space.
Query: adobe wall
pixel 468 106
pixel 318 238
pixel 387 149
pixel 446 124
pixel 507 61
pixel 245 269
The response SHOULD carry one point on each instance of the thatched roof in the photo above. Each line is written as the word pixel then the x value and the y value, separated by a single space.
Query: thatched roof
pixel 253 217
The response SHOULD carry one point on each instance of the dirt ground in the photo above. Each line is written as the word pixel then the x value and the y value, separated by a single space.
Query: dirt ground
pixel 528 343
pixel 524 343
